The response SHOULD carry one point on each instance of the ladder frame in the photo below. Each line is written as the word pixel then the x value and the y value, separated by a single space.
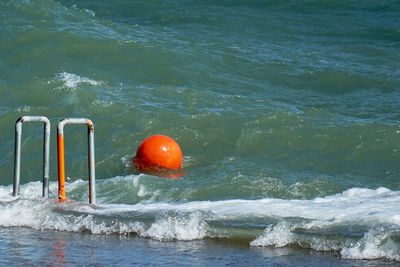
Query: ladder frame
pixel 46 152
pixel 61 160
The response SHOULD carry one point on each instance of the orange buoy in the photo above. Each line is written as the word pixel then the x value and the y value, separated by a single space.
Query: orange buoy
pixel 156 153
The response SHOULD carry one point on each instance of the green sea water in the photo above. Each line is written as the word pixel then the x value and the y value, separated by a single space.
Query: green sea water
pixel 285 101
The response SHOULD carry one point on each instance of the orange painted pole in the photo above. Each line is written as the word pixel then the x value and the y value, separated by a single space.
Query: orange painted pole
pixel 61 169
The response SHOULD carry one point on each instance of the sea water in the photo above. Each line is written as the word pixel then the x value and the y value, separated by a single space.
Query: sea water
pixel 287 113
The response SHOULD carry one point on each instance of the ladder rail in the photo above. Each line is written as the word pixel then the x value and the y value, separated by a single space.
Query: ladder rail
pixel 46 153
pixel 61 159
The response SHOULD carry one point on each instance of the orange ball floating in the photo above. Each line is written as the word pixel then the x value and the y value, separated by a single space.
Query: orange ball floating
pixel 158 152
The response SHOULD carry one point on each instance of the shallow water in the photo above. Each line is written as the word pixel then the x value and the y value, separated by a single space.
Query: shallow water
pixel 286 112
pixel 61 248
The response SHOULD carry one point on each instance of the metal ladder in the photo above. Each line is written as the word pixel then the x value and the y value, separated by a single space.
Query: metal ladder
pixel 17 152
pixel 60 152
pixel 61 163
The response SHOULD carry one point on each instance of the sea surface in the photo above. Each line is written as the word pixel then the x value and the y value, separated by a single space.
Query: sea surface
pixel 287 113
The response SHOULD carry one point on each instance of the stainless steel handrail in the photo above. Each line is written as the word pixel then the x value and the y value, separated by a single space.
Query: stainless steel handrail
pixel 46 152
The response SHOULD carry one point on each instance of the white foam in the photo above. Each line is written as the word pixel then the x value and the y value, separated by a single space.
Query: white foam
pixel 278 236
pixel 22 213
pixel 180 228
pixel 87 223
pixel 380 205
pixel 6 193
pixel 304 222
pixel 375 244
pixel 71 81
pixel 127 161
pixel 103 103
